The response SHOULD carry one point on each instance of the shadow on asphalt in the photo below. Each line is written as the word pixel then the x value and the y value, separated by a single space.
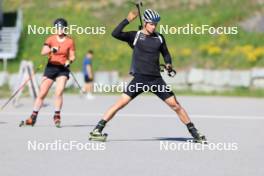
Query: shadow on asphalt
pixel 179 139
pixel 70 126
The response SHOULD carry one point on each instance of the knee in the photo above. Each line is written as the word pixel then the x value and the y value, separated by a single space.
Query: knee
pixel 176 107
pixel 122 104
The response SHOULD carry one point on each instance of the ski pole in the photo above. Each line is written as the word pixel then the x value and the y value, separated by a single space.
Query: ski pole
pixel 138 5
pixel 76 81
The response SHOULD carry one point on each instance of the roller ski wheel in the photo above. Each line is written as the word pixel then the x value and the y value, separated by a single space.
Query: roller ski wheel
pixel 200 139
pixel 98 136
pixel 197 137
pixel 22 123
pixel 28 122
pixel 58 124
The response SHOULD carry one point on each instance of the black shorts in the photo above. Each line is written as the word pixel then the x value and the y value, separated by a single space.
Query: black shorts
pixel 53 71
pixel 144 83
pixel 87 79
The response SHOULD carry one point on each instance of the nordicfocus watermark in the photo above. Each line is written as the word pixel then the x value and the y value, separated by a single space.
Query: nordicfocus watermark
pixel 191 146
pixel 71 29
pixel 59 145
pixel 124 86
pixel 190 29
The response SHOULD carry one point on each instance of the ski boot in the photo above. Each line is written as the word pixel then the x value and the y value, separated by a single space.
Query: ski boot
pixel 198 137
pixel 96 135
pixel 57 120
pixel 29 122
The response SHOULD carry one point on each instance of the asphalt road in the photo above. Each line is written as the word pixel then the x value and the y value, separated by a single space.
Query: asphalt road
pixel 145 138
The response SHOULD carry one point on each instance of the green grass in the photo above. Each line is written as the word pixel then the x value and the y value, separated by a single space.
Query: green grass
pixel 111 54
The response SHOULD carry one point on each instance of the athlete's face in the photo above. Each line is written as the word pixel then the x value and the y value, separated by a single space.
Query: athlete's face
pixel 150 27
pixel 60 30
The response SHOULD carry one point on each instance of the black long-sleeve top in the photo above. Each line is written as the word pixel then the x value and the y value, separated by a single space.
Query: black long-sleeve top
pixel 146 52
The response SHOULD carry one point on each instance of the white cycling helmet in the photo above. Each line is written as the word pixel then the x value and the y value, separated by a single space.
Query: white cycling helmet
pixel 151 16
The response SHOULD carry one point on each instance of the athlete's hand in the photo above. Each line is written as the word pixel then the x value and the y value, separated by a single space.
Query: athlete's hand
pixel 171 71
pixel 132 15
pixel 169 67
pixel 54 49
pixel 67 64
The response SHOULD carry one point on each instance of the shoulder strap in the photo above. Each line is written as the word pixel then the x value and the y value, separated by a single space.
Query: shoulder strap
pixel 160 38
pixel 136 38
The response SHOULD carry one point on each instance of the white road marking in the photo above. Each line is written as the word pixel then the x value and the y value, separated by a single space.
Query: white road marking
pixel 198 116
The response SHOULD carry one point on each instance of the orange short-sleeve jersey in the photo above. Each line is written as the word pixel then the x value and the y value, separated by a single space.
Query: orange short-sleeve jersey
pixel 63 47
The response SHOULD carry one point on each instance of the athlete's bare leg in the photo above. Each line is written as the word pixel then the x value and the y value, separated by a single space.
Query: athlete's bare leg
pixel 60 85
pixel 184 117
pixel 96 134
pixel 175 106
pixel 44 89
pixel 122 102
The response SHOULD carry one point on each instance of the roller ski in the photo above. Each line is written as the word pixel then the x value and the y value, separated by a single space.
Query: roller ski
pixel 197 137
pixel 57 120
pixel 28 122
pixel 96 135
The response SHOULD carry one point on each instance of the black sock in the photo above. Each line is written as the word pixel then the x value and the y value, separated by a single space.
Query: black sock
pixel 100 126
pixel 34 115
pixel 57 113
pixel 190 125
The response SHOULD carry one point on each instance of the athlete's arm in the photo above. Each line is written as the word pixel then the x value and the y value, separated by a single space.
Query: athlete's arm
pixel 71 55
pixel 45 50
pixel 165 52
pixel 72 52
